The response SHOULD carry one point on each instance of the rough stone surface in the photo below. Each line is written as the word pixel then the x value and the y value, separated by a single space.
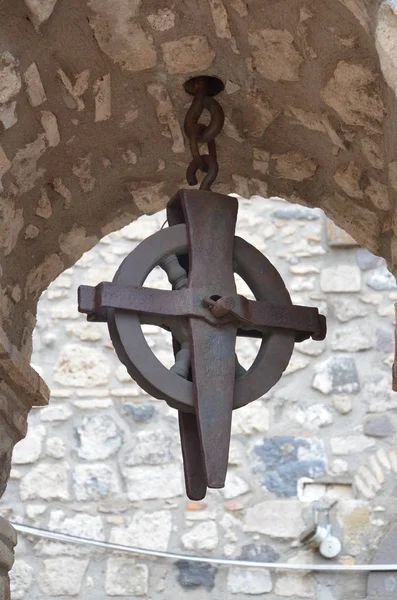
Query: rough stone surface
pixel 287 459
pixel 194 575
pixel 379 426
pixel 246 581
pixel 337 375
pixel 62 576
pixel 125 578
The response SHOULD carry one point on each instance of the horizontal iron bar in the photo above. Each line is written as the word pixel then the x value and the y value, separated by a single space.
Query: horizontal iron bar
pixel 185 303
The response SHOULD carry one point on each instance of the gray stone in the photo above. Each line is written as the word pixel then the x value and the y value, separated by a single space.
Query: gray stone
pixel 310 415
pixel 276 518
pixel 28 450
pixel 350 444
pixel 98 437
pixel 340 278
pixel 295 584
pixel 336 375
pixel 249 581
pixel 62 576
pixel 381 280
pixel 153 482
pixel 94 481
pixel 153 447
pixel 80 525
pixel 141 413
pixel 379 426
pixel 366 260
pixel 192 575
pixel 22 577
pixel 146 530
pixel 346 309
pixel 125 578
pixel 294 211
pixel 351 339
pixel 385 339
pixel 258 553
pixel 203 537
pixel 378 394
pixel 46 481
pixel 287 459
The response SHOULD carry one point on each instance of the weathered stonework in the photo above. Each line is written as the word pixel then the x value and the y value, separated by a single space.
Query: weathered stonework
pixel 90 124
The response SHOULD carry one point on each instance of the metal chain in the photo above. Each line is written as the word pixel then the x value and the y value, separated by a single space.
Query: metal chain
pixel 198 133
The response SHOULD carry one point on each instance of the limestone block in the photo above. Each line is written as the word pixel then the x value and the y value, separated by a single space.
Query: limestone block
pixel 249 581
pixel 150 530
pixel 126 578
pixel 62 576
pixel 78 366
pixel 275 518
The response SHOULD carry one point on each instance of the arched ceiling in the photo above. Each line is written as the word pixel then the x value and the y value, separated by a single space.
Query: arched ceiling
pixel 92 104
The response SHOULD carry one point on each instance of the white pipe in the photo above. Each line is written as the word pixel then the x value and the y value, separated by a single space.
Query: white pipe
pixel 72 539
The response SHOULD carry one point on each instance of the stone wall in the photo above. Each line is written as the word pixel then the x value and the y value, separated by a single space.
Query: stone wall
pixel 103 459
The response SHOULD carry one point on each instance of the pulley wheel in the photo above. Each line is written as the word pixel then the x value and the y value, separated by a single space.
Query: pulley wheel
pixel 144 367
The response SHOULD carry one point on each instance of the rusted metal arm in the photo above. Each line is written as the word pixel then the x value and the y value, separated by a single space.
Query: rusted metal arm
pixel 233 308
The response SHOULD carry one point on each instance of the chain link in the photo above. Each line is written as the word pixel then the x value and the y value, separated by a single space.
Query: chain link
pixel 199 133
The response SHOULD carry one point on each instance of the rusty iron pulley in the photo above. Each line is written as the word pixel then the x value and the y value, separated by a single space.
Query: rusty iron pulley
pixel 201 255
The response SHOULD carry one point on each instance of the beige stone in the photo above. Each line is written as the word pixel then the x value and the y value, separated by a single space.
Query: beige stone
pixel 10 80
pixel 188 54
pixel 275 56
pixel 34 85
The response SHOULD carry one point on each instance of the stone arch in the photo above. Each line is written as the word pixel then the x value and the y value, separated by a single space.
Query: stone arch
pixel 91 129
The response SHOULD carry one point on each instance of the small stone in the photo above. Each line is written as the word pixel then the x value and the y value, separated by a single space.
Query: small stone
pixel 235 486
pixel 7 115
pixel 259 553
pixel 62 576
pixel 253 418
pixel 10 80
pixel 86 331
pixel 140 413
pixel 295 211
pixel 201 538
pixel 125 578
pixel 40 10
pixel 385 339
pixel 50 125
pixel 249 581
pixel 146 530
pixel 55 447
pixel 22 578
pixel 94 482
pixel 276 518
pixel 379 426
pixel 294 166
pixel 162 20
pixel 34 86
pixel 351 339
pixel 192 575
pixel 381 280
pixel 310 415
pixel 28 450
pixel 336 375
pixel 44 208
pixel 149 448
pixel 46 481
pixel 343 404
pixel 55 412
pixel 78 366
pixel 350 444
pixel 153 482
pixel 98 437
pixel 346 309
pixel 302 586
pixel 339 467
pixel 187 55
pixel 80 525
pixel 366 260
pixel 275 55
pixel 287 459
pixel 340 278
pixel 311 347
